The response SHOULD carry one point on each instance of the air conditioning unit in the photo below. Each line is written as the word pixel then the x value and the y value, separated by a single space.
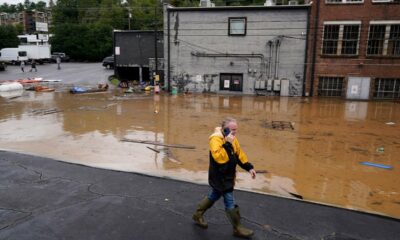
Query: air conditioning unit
pixel 257 86
pixel 277 85
pixel 293 2
pixel 269 84
pixel 262 84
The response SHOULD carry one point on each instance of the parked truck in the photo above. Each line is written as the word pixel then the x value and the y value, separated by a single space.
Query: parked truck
pixel 13 55
pixel 39 53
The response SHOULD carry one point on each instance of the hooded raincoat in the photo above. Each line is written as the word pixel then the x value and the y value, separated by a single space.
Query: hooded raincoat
pixel 224 156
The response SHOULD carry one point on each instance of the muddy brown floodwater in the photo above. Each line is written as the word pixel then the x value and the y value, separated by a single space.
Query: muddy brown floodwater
pixel 316 152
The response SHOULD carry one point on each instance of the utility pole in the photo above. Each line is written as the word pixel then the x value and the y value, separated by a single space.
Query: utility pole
pixel 155 39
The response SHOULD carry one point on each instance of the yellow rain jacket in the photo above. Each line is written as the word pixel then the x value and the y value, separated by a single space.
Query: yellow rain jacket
pixel 223 159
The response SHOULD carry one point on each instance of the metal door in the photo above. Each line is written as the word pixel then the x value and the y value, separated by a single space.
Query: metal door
pixel 231 82
pixel 236 82
pixel 358 88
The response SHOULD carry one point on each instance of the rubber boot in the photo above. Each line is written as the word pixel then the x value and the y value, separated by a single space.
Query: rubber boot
pixel 238 229
pixel 201 209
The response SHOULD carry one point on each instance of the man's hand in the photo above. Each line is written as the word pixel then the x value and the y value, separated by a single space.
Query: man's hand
pixel 253 173
pixel 230 138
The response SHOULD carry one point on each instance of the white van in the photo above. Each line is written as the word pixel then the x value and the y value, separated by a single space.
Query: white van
pixel 13 55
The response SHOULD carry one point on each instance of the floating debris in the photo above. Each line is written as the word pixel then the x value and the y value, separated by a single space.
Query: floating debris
pixel 45 111
pixel 158 143
pixel 356 149
pixel 390 123
pixel 378 165
pixel 155 150
pixel 279 125
pixel 380 150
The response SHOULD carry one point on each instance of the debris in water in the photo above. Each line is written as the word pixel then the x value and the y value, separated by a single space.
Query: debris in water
pixel 377 165
pixel 45 111
pixel 158 143
pixel 278 125
pixel 380 150
pixel 155 150
pixel 390 123
pixel 358 149
pixel 296 195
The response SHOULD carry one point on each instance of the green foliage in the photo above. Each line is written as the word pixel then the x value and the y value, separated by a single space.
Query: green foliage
pixel 8 36
pixel 27 5
pixel 89 42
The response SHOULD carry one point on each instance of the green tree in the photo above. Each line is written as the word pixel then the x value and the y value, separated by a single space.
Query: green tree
pixel 41 6
pixel 114 14
pixel 8 36
pixel 146 14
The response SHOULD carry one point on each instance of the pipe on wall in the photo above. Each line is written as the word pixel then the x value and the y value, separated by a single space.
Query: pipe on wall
pixel 271 46
pixel 277 47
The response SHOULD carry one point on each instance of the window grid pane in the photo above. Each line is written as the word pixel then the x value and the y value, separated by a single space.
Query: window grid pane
pixel 237 26
pixel 331 37
pixel 376 39
pixel 387 88
pixel 330 86
pixel 394 41
pixel 344 1
pixel 350 39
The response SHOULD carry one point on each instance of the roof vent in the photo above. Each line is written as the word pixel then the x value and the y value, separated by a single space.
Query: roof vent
pixel 206 3
pixel 269 3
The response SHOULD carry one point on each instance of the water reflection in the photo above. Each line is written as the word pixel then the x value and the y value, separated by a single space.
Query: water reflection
pixel 318 160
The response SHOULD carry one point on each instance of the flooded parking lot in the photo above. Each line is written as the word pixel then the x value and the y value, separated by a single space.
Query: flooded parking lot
pixel 336 152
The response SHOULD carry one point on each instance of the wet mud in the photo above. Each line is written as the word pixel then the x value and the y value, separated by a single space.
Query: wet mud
pixel 312 149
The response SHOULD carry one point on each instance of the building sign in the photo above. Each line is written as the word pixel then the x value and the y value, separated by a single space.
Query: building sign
pixel 198 78
pixel 44 37
pixel 226 83
pixel 117 51
pixel 42 27
pixel 354 89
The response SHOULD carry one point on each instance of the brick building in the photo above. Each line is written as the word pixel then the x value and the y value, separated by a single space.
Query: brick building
pixel 354 49
pixel 27 19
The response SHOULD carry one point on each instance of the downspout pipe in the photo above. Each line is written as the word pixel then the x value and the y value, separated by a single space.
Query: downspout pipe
pixel 277 47
pixel 306 53
pixel 169 50
pixel 314 49
pixel 271 45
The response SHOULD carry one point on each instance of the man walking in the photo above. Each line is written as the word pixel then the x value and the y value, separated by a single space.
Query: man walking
pixel 58 59
pixel 225 154
pixel 22 65
pixel 33 66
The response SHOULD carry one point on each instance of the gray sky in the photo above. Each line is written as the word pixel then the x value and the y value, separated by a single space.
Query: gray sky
pixel 20 1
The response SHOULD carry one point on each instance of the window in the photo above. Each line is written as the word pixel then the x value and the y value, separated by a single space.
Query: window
pixel 394 41
pixel 330 86
pixel 384 39
pixel 387 88
pixel 341 38
pixel 344 1
pixel 237 26
pixel 385 1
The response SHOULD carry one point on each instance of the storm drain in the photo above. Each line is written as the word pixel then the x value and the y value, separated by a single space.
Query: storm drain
pixel 279 125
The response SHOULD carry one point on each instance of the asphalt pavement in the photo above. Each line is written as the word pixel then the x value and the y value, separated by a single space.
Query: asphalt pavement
pixel 70 73
pixel 43 199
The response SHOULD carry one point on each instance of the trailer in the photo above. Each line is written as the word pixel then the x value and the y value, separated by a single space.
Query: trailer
pixel 39 53
pixel 13 55
pixel 37 47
